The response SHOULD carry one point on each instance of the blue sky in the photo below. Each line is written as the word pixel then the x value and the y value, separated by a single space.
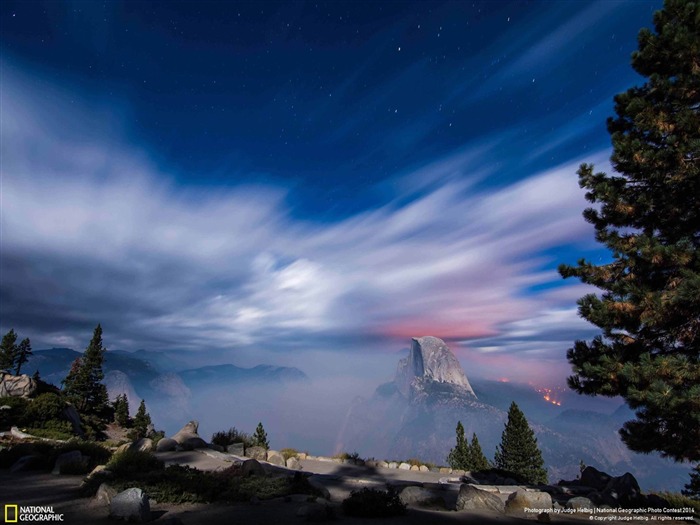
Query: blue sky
pixel 279 180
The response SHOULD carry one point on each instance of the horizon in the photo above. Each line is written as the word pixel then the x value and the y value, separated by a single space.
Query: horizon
pixel 290 183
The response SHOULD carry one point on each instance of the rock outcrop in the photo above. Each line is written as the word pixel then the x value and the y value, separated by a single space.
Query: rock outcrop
pixel 16 386
pixel 430 360
pixel 188 438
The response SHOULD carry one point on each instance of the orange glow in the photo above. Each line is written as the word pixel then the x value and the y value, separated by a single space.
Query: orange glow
pixel 550 395
pixel 504 380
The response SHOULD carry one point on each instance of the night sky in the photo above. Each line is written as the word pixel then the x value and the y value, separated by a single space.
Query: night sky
pixel 283 180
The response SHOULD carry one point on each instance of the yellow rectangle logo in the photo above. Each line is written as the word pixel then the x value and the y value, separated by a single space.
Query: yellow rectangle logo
pixel 9 508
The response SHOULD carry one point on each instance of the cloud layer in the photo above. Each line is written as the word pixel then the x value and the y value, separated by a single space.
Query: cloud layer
pixel 93 231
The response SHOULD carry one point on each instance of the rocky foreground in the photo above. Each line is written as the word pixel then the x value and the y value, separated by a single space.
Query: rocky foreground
pixel 431 496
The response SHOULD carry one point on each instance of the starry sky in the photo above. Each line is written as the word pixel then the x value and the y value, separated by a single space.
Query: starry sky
pixel 306 183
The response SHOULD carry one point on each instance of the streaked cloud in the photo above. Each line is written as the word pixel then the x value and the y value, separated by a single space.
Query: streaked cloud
pixel 96 232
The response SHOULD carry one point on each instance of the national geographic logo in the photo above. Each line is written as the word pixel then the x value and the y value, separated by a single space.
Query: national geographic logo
pixel 16 514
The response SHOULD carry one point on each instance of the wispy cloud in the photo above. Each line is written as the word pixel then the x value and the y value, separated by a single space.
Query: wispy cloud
pixel 96 233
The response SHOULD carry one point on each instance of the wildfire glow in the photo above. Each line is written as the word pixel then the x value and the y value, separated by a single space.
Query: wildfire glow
pixel 551 395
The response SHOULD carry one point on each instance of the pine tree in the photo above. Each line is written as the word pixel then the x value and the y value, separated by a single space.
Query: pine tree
pixel 460 456
pixel 518 452
pixel 8 351
pixel 478 460
pixel 648 216
pixel 121 411
pixel 260 437
pixel 24 350
pixel 142 420
pixel 692 488
pixel 82 385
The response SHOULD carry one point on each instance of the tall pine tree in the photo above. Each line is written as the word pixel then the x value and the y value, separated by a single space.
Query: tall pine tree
pixel 83 385
pixel 24 350
pixel 518 452
pixel 8 351
pixel 648 216
pixel 142 420
pixel 460 456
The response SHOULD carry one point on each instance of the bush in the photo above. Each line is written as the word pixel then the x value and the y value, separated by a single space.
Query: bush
pixel 98 454
pixel 43 451
pixel 181 484
pixel 231 436
pixel 373 503
pixel 680 501
pixel 44 408
pixel 289 453
pixel 16 415
pixel 130 462
pixel 347 456
pixel 57 430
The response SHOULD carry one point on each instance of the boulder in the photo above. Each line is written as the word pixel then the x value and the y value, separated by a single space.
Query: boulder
pixel 471 498
pixel 142 445
pixel 594 478
pixel 317 482
pixel 71 462
pixel 414 468
pixel 237 449
pixel 445 470
pixel 623 491
pixel 252 467
pixel 130 505
pixel 421 497
pixel 166 445
pixel 123 448
pixel 258 453
pixel 16 432
pixel 188 438
pixel 276 458
pixel 105 493
pixel 521 499
pixel 579 503
pixel 16 386
pixel 293 464
pixel 393 464
pixel 25 463
pixel 544 517
pixel 383 464
pixel 424 468
pixel 404 466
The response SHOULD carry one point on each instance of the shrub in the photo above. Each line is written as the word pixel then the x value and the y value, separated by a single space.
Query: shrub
pixel 347 456
pixel 130 462
pixel 373 503
pixel 289 453
pixel 98 454
pixel 231 436
pixel 57 430
pixel 42 451
pixel 180 484
pixel 16 415
pixel 44 408
pixel 680 501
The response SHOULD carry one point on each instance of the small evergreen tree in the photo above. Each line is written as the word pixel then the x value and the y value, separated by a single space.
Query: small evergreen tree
pixel 518 452
pixel 692 488
pixel 260 437
pixel 478 460
pixel 8 351
pixel 121 411
pixel 24 350
pixel 82 386
pixel 460 456
pixel 142 420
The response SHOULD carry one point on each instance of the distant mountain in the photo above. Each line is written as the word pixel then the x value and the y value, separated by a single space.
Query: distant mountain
pixel 222 375
pixel 156 378
pixel 416 415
